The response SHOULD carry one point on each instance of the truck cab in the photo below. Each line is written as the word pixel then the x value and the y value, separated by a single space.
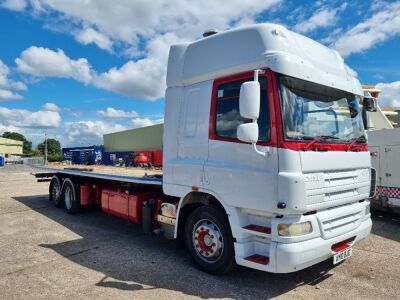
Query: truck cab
pixel 265 148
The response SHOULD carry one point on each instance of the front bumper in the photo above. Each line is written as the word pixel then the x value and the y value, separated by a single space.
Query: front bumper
pixel 290 257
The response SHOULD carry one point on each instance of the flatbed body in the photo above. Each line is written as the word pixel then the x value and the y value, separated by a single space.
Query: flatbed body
pixel 118 174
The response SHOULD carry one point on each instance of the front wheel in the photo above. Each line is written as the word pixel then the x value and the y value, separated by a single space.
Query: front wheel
pixel 209 241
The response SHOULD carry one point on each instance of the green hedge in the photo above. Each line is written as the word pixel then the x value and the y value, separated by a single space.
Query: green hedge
pixel 54 158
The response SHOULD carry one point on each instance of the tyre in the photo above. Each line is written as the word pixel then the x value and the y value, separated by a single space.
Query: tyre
pixel 55 192
pixel 209 240
pixel 71 197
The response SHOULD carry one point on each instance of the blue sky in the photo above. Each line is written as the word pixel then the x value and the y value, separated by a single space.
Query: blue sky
pixel 77 69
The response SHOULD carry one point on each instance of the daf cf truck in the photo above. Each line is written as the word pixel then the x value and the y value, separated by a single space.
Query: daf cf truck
pixel 265 159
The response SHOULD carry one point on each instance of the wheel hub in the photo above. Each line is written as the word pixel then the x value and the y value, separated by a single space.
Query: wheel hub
pixel 207 240
pixel 68 197
pixel 56 191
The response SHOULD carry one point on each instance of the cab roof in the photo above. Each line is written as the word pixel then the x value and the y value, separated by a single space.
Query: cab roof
pixel 259 46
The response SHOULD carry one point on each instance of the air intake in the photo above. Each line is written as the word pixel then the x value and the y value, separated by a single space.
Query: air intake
pixel 209 33
pixel 372 192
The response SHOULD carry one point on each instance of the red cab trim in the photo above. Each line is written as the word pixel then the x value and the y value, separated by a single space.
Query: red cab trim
pixel 213 114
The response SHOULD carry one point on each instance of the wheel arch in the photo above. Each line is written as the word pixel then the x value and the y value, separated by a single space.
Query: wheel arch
pixel 189 203
pixel 68 179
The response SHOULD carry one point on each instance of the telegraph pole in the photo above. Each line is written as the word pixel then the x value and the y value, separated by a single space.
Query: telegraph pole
pixel 45 148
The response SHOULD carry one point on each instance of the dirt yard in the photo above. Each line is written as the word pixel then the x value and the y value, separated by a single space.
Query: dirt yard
pixel 47 254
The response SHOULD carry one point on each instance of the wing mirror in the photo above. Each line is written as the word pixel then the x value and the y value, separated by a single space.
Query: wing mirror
pixel 369 104
pixel 249 100
pixel 248 132
pixel 249 108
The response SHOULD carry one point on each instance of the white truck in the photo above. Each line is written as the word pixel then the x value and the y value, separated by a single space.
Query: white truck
pixel 265 163
pixel 384 146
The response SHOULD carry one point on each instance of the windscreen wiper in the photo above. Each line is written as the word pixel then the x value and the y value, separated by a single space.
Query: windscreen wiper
pixel 319 138
pixel 356 140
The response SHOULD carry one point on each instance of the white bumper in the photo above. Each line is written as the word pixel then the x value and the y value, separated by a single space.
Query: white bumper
pixel 296 256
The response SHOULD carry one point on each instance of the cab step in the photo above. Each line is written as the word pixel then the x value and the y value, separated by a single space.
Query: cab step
pixel 258 259
pixel 257 230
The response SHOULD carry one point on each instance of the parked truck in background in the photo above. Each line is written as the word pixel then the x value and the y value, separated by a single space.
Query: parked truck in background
pixel 384 146
pixel 265 162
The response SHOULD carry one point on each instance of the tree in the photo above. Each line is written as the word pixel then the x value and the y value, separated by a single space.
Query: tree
pixel 27 145
pixel 53 147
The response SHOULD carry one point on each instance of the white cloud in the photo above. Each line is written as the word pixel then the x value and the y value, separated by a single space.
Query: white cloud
pixel 51 107
pixel 143 28
pixel 7 86
pixel 390 95
pixel 34 124
pixel 322 18
pixel 91 36
pixel 143 122
pixel 9 95
pixel 381 26
pixel 86 133
pixel 144 78
pixel 112 113
pixel 44 62
pixel 22 118
pixel 17 5
pixel 18 85
pixel 127 20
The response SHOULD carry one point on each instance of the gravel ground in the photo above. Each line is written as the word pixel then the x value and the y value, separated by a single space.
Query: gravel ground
pixel 47 254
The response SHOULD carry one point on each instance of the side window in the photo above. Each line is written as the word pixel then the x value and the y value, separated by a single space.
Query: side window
pixel 227 111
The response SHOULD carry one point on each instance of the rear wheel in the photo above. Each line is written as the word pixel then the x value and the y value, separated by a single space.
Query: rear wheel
pixel 55 192
pixel 71 196
pixel 209 241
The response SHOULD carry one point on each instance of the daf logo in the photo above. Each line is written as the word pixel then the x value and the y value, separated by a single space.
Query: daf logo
pixel 314 177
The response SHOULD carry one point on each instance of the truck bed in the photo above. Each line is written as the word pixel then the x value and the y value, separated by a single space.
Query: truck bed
pixel 120 174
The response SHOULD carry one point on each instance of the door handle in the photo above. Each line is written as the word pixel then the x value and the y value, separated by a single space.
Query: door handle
pixel 388 174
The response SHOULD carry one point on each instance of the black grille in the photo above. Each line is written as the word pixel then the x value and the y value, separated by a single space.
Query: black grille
pixel 372 192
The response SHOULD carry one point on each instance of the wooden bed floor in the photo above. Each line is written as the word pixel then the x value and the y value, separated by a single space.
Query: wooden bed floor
pixel 110 170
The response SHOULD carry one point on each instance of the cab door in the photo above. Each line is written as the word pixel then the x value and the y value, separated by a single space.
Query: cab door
pixel 234 171
pixel 192 148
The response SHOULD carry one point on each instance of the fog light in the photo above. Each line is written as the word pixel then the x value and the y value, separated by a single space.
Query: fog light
pixel 295 229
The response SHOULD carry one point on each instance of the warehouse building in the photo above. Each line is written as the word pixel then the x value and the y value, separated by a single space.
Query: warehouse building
pixel 10 147
pixel 124 146
pixel 145 138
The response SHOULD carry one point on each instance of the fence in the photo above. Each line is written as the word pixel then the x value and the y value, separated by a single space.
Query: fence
pixel 30 161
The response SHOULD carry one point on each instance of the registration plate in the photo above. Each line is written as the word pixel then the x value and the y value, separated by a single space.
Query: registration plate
pixel 342 255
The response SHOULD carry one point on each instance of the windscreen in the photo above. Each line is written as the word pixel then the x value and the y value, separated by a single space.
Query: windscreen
pixel 311 110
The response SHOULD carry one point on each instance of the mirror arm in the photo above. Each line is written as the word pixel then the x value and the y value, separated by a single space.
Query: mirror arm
pixel 256 71
pixel 262 153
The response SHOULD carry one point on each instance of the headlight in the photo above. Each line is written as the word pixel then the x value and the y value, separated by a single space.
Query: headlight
pixel 295 229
